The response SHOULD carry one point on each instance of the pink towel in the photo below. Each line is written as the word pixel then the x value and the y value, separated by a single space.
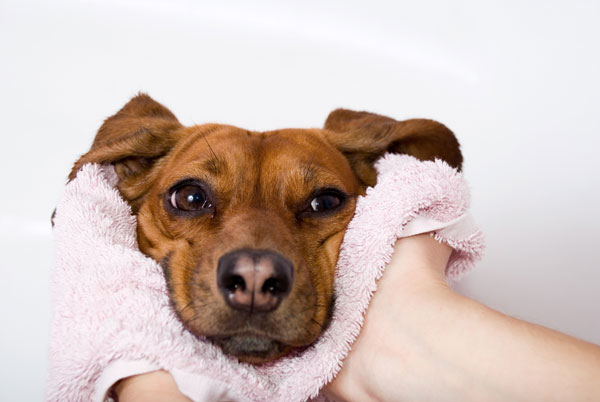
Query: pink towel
pixel 111 313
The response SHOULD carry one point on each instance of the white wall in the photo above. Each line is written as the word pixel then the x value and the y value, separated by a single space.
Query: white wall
pixel 517 81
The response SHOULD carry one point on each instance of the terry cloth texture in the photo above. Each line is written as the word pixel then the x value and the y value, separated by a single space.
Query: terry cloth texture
pixel 111 311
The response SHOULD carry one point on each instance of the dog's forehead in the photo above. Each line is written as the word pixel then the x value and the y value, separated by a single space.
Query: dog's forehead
pixel 215 148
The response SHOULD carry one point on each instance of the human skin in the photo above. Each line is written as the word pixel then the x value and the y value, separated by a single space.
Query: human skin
pixel 156 386
pixel 421 341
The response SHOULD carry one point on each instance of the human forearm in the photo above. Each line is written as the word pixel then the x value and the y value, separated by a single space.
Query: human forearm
pixel 486 355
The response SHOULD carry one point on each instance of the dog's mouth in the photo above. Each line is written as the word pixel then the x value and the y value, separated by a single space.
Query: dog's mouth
pixel 251 348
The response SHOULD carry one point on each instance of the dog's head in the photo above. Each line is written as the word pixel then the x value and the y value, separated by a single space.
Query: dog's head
pixel 247 225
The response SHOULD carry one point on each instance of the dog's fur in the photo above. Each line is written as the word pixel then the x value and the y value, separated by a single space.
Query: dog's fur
pixel 259 186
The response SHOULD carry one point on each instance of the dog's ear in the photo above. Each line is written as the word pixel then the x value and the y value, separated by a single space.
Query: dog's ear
pixel 134 140
pixel 364 137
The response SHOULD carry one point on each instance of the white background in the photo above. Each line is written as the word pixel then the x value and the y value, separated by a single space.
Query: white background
pixel 517 82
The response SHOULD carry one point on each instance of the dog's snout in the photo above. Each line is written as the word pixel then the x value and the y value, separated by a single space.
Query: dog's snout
pixel 254 280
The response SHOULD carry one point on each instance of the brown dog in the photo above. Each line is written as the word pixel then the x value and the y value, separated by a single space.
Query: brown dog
pixel 247 225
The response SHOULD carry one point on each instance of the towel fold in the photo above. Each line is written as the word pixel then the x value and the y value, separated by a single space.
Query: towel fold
pixel 111 311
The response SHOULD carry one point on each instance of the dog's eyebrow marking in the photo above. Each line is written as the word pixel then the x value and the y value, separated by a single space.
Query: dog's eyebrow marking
pixel 309 171
pixel 214 165
pixel 309 174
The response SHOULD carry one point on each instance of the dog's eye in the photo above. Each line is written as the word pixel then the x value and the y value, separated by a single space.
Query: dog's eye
pixel 325 202
pixel 190 198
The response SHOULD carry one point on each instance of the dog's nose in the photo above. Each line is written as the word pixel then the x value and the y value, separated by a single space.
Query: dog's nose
pixel 254 280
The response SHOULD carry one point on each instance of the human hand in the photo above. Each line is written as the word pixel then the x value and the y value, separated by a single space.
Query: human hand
pixel 155 386
pixel 381 356
pixel 422 341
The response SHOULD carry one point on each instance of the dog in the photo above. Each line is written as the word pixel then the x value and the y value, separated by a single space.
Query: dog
pixel 247 225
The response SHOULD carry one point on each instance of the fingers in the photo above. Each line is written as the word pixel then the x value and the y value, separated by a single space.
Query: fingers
pixel 420 253
pixel 155 386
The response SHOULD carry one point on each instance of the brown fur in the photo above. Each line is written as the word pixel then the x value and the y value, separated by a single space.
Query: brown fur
pixel 262 183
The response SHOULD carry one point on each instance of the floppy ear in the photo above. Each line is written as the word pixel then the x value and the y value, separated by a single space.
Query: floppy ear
pixel 364 137
pixel 134 140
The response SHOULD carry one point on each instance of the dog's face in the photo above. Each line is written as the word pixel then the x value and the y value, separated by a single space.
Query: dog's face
pixel 247 225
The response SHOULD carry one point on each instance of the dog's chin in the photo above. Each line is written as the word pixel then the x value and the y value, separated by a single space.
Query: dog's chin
pixel 251 348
